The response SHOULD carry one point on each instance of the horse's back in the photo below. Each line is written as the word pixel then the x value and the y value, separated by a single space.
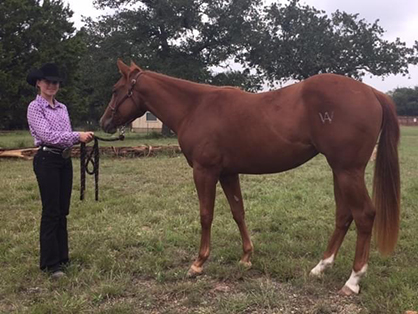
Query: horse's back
pixel 279 130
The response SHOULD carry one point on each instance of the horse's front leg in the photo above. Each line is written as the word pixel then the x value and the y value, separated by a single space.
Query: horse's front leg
pixel 230 185
pixel 205 181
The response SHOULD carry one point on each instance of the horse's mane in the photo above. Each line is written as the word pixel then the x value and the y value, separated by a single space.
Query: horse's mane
pixel 187 84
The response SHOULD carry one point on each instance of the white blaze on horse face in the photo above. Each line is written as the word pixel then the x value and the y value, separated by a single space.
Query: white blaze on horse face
pixel 354 280
pixel 322 265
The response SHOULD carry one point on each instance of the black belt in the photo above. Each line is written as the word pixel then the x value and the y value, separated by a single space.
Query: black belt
pixel 64 152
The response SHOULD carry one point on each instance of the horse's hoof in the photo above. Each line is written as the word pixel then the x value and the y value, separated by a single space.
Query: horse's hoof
pixel 316 274
pixel 346 292
pixel 194 271
pixel 246 265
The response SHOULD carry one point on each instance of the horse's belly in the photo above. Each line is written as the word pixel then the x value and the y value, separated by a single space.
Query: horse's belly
pixel 262 160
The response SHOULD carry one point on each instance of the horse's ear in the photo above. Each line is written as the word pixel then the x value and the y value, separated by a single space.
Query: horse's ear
pixel 123 68
pixel 134 66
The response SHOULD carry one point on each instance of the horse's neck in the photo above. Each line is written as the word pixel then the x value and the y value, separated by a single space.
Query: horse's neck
pixel 168 98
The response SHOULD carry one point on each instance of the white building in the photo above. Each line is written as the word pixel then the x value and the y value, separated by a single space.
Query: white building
pixel 147 123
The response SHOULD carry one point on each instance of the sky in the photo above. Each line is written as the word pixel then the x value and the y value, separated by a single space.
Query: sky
pixel 398 18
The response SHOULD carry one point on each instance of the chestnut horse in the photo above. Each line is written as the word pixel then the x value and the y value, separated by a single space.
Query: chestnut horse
pixel 224 131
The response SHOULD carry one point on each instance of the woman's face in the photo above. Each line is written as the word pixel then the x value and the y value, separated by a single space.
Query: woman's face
pixel 48 88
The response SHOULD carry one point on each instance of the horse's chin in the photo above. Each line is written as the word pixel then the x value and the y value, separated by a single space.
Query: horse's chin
pixel 111 130
pixel 108 126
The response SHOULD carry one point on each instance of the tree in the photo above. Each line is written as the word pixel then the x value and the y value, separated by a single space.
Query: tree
pixel 406 100
pixel 31 34
pixel 180 37
pixel 185 39
pixel 295 42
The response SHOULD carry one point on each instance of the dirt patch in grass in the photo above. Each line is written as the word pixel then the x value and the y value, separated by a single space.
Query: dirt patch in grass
pixel 206 295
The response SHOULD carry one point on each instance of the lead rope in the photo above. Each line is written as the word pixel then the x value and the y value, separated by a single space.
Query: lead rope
pixel 92 157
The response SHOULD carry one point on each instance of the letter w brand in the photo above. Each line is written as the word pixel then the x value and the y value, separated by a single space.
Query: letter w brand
pixel 326 117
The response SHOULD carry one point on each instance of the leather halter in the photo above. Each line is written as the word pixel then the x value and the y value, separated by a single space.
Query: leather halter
pixel 128 94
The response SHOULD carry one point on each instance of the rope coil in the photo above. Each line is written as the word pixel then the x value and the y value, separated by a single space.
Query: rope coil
pixel 92 157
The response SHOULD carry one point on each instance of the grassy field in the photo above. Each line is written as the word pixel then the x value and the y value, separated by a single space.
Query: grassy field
pixel 131 250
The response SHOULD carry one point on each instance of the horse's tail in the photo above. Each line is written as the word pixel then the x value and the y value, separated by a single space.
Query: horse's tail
pixel 386 182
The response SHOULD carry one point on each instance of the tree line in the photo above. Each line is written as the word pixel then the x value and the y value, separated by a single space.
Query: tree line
pixel 196 40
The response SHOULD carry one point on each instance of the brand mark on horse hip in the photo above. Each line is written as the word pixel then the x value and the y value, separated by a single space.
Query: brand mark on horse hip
pixel 326 117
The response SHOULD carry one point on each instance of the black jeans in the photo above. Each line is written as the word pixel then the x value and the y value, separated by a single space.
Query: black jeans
pixel 55 180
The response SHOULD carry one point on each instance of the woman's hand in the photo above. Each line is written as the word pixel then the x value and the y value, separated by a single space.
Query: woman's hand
pixel 86 137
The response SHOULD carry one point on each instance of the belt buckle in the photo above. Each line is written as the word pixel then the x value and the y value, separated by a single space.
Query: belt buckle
pixel 66 153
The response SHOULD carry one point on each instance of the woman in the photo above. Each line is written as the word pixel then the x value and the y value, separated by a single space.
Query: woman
pixel 50 126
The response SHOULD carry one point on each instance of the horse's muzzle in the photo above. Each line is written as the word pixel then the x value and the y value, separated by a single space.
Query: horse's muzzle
pixel 107 126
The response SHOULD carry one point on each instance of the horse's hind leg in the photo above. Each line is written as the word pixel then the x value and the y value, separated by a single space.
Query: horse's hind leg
pixel 205 182
pixel 343 219
pixel 364 213
pixel 230 185
pixel 351 193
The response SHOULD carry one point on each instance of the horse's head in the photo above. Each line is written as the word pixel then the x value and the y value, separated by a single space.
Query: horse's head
pixel 126 104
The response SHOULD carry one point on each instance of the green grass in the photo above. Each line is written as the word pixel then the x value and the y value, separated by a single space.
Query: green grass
pixel 132 249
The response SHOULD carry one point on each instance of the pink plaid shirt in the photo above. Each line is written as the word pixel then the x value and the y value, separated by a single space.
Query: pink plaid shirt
pixel 50 126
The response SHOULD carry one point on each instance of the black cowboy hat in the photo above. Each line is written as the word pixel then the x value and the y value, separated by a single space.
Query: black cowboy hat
pixel 48 71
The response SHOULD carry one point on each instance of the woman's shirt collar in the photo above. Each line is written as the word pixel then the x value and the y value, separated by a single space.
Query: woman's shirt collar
pixel 45 103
